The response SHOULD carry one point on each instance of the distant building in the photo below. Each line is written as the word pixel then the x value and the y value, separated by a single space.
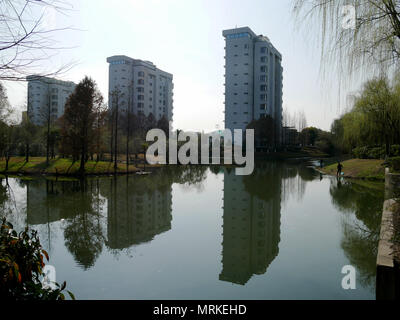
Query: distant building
pixel 47 94
pixel 253 79
pixel 141 86
pixel 290 136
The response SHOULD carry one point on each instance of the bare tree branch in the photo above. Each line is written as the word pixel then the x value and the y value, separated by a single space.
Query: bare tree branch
pixel 25 41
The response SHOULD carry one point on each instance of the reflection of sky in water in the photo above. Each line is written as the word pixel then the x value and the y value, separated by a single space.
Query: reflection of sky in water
pixel 280 234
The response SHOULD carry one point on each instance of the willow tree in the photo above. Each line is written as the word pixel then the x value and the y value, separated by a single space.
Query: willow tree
pixel 374 118
pixel 356 36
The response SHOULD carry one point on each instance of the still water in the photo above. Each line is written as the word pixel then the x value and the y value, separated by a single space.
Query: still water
pixel 193 232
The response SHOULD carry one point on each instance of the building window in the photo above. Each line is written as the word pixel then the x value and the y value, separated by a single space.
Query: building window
pixel 263 106
pixel 141 74
pixel 140 89
pixel 140 97
pixel 238 35
pixel 263 69
pixel 140 81
pixel 140 105
pixel 263 78
pixel 263 87
pixel 263 97
pixel 263 49
pixel 263 59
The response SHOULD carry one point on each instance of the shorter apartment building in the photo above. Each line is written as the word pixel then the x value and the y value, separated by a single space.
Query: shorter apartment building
pixel 47 95
pixel 141 87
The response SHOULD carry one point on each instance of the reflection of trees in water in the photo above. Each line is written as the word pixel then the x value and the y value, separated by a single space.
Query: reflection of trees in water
pixel 12 205
pixel 191 177
pixel 84 231
pixel 79 204
pixel 4 208
pixel 294 181
pixel 361 237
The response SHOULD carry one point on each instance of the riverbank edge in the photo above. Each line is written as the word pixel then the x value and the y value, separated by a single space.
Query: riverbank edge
pixel 387 261
pixel 40 170
pixel 325 171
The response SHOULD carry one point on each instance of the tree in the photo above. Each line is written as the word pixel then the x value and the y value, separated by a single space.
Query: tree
pixel 373 120
pixel 28 135
pixel 308 136
pixel 78 121
pixel 371 44
pixel 100 129
pixel 163 124
pixel 47 121
pixel 24 39
pixel 5 108
pixel 264 131
pixel 115 112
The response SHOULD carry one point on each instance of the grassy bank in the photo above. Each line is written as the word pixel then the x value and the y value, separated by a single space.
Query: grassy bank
pixel 305 152
pixel 64 167
pixel 359 169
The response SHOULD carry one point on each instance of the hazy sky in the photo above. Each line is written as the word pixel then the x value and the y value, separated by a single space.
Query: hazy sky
pixel 184 37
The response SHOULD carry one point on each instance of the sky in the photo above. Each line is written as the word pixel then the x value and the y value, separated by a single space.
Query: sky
pixel 184 37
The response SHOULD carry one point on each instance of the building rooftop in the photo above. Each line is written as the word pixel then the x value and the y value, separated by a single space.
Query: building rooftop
pixel 136 62
pixel 49 80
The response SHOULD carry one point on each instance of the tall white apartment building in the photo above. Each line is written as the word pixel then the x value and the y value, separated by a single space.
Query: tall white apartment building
pixel 253 79
pixel 140 85
pixel 47 94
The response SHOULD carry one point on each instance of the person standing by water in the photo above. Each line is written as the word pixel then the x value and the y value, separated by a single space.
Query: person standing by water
pixel 339 169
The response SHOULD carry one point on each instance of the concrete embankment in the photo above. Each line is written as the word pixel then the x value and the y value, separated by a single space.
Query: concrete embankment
pixel 388 271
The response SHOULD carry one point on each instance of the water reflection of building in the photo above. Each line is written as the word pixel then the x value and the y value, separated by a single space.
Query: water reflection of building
pixel 138 210
pixel 251 223
pixel 43 203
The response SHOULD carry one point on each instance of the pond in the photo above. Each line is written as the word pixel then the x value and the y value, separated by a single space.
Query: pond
pixel 198 232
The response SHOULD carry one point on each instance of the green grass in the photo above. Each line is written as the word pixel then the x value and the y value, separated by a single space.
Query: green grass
pixel 64 167
pixel 359 169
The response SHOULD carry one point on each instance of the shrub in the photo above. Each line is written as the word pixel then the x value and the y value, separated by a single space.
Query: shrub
pixel 394 163
pixel 376 153
pixel 360 152
pixel 21 265
pixel 395 150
